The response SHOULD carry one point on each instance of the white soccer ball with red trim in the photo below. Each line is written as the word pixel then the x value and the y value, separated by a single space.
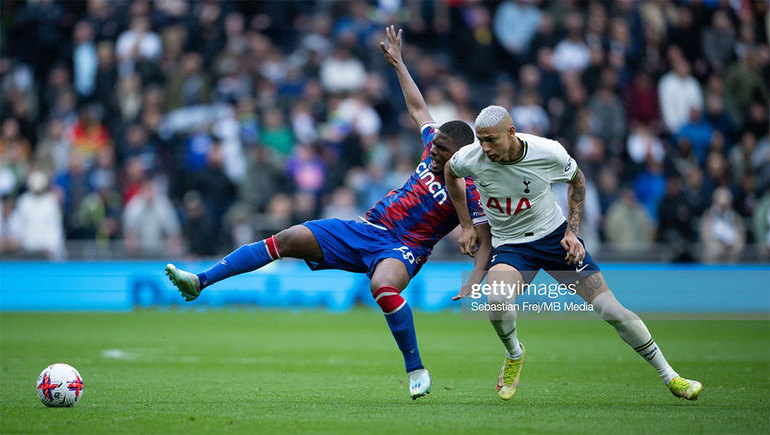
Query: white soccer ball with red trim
pixel 59 385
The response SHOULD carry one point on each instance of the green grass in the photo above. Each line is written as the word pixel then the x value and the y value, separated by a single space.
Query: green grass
pixel 271 371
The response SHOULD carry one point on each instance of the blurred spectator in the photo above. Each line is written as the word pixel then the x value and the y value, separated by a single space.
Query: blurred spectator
pixel 150 224
pixel 627 225
pixel 682 159
pixel 10 226
pixel 198 229
pixel 717 117
pixel 89 135
pixel 742 157
pixel 276 134
pixel 138 146
pixel 608 189
pixel 721 229
pixel 98 215
pixel 53 149
pixel 743 85
pixel 341 72
pixel 40 220
pixel 572 53
pixel 609 114
pixel 84 59
pixel 476 37
pixel 216 189
pixel 678 93
pixel 15 153
pixel 757 122
pixel 239 225
pixel 441 109
pixel 696 191
pixel 342 205
pixel 641 101
pixel 698 133
pixel 516 39
pixel 262 179
pixel 72 185
pixel 547 35
pixel 643 145
pixel 675 223
pixel 529 115
pixel 187 84
pixel 306 170
pixel 684 32
pixel 762 225
pixel 358 115
pixel 138 42
pixel 650 186
pixel 718 41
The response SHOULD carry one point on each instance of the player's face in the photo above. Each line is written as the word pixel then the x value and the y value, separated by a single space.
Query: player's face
pixel 440 152
pixel 495 141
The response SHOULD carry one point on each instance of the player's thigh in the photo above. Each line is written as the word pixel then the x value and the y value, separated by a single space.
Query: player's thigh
pixel 389 272
pixel 299 242
pixel 591 286
pixel 506 281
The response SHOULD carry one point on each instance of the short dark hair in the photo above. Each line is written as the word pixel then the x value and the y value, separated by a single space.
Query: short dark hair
pixel 459 132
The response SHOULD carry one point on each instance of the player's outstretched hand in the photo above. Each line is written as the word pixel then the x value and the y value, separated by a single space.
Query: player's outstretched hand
pixel 575 250
pixel 464 291
pixel 392 50
pixel 467 241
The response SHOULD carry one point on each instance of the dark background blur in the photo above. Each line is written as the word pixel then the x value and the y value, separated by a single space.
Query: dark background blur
pixel 186 128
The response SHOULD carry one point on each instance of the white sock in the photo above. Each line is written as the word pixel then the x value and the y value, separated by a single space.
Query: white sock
pixel 634 332
pixel 505 326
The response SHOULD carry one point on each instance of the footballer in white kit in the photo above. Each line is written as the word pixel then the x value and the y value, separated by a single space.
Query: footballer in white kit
pixel 513 173
pixel 519 202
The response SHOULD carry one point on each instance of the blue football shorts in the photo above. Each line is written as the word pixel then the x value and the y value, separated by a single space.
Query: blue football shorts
pixel 547 254
pixel 360 246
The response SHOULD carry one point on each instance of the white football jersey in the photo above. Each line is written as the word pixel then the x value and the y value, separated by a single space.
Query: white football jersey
pixel 516 196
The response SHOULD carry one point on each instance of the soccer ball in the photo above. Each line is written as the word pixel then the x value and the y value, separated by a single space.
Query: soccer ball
pixel 59 385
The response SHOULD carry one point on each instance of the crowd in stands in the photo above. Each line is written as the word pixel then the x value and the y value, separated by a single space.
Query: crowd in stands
pixel 182 127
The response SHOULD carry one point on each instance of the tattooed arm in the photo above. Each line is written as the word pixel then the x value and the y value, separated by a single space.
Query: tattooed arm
pixel 576 198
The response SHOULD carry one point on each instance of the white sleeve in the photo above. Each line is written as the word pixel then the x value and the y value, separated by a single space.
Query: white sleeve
pixel 461 162
pixel 562 167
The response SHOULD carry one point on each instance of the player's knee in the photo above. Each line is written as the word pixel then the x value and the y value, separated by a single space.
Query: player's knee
pixel 376 284
pixel 610 309
pixel 289 240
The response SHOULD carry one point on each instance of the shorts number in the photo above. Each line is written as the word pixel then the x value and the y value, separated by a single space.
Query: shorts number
pixel 406 253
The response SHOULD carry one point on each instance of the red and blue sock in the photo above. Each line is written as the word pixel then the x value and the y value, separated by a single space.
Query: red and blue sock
pixel 244 259
pixel 401 323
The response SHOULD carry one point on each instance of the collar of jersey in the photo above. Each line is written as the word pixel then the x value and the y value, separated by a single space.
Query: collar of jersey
pixel 523 154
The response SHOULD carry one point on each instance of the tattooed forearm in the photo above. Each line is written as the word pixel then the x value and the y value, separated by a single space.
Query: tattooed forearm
pixel 576 197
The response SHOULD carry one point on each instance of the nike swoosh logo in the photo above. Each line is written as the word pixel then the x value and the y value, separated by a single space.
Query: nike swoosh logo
pixel 580 269
pixel 485 185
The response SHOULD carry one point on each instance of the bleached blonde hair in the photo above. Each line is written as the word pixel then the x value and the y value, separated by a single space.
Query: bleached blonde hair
pixel 491 116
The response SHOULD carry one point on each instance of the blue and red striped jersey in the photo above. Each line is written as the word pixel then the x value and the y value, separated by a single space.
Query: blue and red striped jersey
pixel 420 213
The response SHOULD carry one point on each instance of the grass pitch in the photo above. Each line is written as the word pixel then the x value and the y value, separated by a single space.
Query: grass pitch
pixel 274 371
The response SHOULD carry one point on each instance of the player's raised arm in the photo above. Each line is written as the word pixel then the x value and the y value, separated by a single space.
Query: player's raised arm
pixel 415 103
pixel 576 198
pixel 456 187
